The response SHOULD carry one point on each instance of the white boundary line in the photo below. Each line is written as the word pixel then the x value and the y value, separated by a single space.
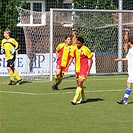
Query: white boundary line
pixel 54 93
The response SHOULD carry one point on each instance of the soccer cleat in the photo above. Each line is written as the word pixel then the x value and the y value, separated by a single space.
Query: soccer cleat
pixel 11 83
pixel 19 82
pixel 55 87
pixel 82 101
pixel 73 102
pixel 122 102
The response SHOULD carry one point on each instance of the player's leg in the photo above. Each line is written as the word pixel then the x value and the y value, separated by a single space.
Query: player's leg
pixel 83 75
pixel 19 79
pixel 83 98
pixel 61 75
pixel 57 79
pixel 10 72
pixel 78 91
pixel 15 72
pixel 82 95
pixel 127 91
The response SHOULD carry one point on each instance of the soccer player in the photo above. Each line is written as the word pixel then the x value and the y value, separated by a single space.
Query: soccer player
pixel 9 47
pixel 62 57
pixel 83 64
pixel 129 58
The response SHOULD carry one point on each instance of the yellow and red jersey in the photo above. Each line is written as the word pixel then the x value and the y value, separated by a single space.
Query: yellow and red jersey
pixel 7 45
pixel 81 58
pixel 64 54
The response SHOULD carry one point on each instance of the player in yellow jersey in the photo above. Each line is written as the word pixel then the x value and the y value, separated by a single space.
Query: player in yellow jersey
pixel 9 47
pixel 62 58
pixel 82 55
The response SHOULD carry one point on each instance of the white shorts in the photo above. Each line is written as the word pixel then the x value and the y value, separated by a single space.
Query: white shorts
pixel 130 78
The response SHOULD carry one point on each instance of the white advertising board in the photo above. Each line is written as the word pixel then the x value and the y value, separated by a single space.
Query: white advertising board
pixel 40 65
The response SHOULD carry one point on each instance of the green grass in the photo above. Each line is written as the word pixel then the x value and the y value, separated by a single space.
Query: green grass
pixel 34 107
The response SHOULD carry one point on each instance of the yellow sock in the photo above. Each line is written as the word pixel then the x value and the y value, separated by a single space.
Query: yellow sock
pixel 57 79
pixel 82 93
pixel 78 93
pixel 17 75
pixel 11 75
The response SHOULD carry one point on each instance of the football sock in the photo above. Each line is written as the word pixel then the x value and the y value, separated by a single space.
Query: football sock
pixel 127 93
pixel 82 93
pixel 78 93
pixel 11 75
pixel 17 75
pixel 57 79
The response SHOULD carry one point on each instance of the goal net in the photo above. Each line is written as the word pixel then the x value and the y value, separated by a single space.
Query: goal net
pixel 105 32
pixel 36 26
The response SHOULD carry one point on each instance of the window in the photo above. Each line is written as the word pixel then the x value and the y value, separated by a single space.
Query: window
pixel 36 6
pixel 68 5
pixel 33 17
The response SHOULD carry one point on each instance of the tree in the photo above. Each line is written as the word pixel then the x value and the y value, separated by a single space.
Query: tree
pixel 97 39
pixel 9 15
pixel 94 4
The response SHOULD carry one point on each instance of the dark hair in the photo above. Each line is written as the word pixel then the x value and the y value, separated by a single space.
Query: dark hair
pixel 67 37
pixel 81 39
pixel 130 39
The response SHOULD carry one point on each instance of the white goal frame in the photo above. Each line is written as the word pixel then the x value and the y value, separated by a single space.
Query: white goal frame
pixel 52 10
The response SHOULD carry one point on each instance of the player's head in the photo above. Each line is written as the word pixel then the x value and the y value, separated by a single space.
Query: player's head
pixel 130 39
pixel 7 33
pixel 80 42
pixel 68 40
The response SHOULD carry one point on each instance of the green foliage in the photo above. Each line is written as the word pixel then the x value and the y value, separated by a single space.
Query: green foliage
pixel 98 40
pixel 9 15
pixel 94 4
pixel 102 40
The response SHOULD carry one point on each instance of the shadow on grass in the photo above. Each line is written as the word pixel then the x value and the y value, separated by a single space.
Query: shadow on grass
pixel 26 82
pixel 70 88
pixel 130 102
pixel 94 99
pixel 91 100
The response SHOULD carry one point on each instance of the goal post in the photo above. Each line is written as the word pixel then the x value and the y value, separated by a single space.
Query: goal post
pixel 103 31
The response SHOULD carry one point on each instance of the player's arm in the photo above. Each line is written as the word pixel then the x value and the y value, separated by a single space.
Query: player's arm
pixel 90 65
pixel 15 43
pixel 57 54
pixel 69 63
pixel 121 59
pixel 89 54
pixel 2 51
pixel 74 37
pixel 72 55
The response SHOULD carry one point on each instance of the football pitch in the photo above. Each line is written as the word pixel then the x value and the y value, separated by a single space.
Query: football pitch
pixel 34 107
